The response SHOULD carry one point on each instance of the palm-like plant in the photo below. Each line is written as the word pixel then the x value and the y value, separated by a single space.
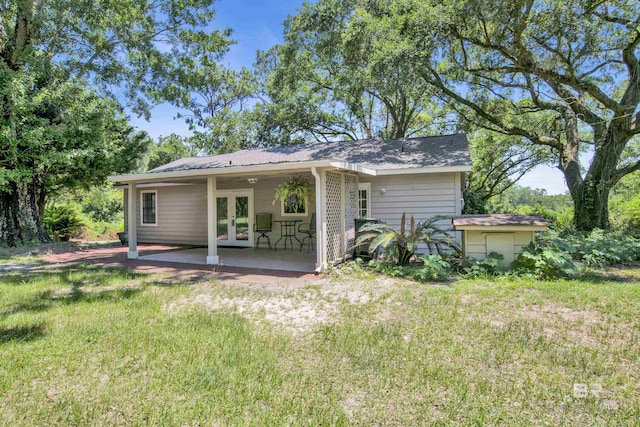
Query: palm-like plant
pixel 400 246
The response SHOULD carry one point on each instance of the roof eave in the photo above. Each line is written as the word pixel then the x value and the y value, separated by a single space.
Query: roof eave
pixel 229 170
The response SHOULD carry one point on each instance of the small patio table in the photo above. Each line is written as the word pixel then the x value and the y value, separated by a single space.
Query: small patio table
pixel 287 232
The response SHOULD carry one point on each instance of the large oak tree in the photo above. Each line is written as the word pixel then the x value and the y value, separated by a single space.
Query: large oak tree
pixel 563 75
pixel 66 71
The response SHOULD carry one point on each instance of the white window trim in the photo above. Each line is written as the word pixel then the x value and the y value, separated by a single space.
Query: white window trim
pixel 142 223
pixel 365 186
pixel 306 210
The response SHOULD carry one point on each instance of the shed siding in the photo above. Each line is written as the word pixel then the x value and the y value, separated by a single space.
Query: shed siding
pixel 476 244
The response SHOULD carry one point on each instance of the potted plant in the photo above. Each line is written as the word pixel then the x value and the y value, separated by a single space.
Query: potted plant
pixel 123 236
pixel 295 192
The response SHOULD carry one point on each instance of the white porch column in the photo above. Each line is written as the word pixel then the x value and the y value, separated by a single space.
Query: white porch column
pixel 212 219
pixel 132 216
pixel 320 220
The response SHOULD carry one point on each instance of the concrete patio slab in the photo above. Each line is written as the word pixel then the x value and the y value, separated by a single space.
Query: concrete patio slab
pixel 241 257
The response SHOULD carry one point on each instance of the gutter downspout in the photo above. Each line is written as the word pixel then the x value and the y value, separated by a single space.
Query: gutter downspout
pixel 319 221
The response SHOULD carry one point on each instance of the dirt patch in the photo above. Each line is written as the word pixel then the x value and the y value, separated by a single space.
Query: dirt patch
pixel 297 310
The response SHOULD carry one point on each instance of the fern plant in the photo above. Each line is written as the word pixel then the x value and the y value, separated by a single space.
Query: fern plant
pixel 62 223
pixel 298 189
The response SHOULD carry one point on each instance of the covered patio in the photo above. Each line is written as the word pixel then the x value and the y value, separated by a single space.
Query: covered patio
pixel 213 213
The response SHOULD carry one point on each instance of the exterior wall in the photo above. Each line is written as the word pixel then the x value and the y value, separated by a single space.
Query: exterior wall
pixel 181 216
pixel 182 210
pixel 420 195
pixel 264 194
pixel 476 242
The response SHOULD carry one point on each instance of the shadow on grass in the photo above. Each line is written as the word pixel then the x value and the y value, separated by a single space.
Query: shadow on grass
pixel 21 333
pixel 612 274
pixel 78 284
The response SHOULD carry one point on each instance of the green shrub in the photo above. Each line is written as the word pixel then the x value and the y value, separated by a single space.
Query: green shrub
pixel 600 248
pixel 546 260
pixel 62 222
pixel 430 267
pixel 490 266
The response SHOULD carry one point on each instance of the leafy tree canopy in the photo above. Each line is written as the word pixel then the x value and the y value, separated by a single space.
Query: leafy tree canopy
pixel 67 69
pixel 327 81
pixel 563 75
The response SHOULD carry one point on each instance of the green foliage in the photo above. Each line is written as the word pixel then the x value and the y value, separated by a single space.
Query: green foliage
pixel 296 186
pixel 498 161
pixel 624 203
pixel 430 267
pixel 556 209
pixel 545 260
pixel 168 149
pixel 101 203
pixel 62 222
pixel 326 82
pixel 490 266
pixel 400 245
pixel 601 248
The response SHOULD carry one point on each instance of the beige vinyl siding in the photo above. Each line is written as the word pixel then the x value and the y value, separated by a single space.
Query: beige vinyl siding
pixel 181 216
pixel 420 195
pixel 264 192
pixel 476 242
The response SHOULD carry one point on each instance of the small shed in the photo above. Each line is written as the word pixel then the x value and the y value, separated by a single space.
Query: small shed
pixel 501 233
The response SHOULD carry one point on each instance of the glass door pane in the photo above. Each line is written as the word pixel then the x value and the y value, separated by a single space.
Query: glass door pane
pixel 242 218
pixel 222 204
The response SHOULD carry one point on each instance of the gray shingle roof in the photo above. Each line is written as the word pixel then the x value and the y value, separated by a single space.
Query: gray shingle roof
pixel 376 153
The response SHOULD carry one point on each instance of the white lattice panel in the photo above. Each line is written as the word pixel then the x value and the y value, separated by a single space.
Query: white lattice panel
pixel 334 220
pixel 350 209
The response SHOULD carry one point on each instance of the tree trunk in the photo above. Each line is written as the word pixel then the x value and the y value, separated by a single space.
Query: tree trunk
pixel 21 221
pixel 9 229
pixel 591 207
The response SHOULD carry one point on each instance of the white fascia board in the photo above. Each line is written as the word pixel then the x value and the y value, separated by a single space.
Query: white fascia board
pixel 230 170
pixel 428 169
pixel 154 185
pixel 353 167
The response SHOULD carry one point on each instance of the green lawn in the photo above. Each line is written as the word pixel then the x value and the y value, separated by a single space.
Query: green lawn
pixel 98 347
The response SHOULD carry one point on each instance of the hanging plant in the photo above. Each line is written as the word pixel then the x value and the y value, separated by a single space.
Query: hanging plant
pixel 295 192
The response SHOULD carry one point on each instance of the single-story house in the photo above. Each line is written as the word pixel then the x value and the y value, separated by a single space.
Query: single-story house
pixel 212 201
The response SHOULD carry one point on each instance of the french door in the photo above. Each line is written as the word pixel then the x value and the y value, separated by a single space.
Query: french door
pixel 235 218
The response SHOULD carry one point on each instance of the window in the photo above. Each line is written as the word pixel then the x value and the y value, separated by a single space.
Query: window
pixel 149 208
pixel 364 200
pixel 294 209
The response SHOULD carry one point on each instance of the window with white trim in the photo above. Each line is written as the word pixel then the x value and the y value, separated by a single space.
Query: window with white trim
pixel 364 200
pixel 149 207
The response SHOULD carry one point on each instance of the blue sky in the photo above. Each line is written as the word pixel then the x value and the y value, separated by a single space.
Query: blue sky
pixel 257 24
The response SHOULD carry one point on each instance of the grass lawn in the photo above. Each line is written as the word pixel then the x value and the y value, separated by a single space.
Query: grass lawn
pixel 88 346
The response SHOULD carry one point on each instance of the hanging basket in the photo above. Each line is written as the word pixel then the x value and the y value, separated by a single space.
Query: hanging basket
pixel 295 191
